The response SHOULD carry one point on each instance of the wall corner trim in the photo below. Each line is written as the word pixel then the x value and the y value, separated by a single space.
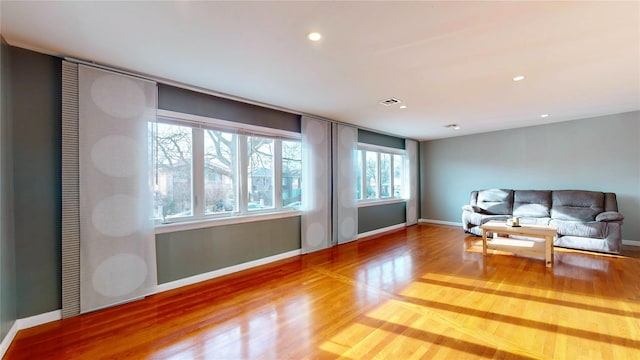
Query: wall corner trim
pixel 631 242
pixel 225 271
pixel 8 339
pixel 26 323
pixel 440 222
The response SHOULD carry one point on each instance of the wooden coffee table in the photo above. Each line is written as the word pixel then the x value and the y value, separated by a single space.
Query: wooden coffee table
pixel 520 246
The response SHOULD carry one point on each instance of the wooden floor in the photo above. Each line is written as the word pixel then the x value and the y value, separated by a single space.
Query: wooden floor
pixel 421 292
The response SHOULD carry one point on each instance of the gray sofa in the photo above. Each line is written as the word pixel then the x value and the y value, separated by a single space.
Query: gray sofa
pixel 586 220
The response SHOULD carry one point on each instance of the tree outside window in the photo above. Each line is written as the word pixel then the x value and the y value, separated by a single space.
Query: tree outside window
pixel 291 174
pixel 260 172
pixel 173 169
pixel 371 161
pixel 220 168
pixel 200 172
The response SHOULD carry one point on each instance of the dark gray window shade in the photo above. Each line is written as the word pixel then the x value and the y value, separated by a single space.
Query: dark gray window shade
pixel 70 192
pixel 192 102
pixel 373 138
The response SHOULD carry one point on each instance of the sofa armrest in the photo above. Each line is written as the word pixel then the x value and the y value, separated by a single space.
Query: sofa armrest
pixel 609 216
pixel 472 208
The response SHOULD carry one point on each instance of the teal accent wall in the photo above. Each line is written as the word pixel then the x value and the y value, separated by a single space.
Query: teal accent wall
pixel 380 216
pixel 36 135
pixel 7 237
pixel 192 252
pixel 598 154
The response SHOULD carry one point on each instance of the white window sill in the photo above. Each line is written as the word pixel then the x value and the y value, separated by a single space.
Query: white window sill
pixel 376 202
pixel 213 222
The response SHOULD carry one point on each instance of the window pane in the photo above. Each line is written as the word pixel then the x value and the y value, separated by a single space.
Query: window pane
pixel 291 173
pixel 397 175
pixel 371 159
pixel 385 175
pixel 260 173
pixel 173 171
pixel 220 164
pixel 359 174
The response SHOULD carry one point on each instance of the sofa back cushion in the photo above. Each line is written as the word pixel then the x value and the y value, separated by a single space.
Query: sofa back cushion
pixel 610 202
pixel 532 203
pixel 576 205
pixel 495 201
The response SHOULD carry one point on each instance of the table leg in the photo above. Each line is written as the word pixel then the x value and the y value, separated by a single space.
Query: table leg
pixel 548 256
pixel 484 242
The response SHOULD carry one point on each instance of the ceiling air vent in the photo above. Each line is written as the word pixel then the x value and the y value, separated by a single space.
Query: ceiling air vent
pixel 389 101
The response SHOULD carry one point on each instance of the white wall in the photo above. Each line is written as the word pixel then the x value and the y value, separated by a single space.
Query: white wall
pixel 600 154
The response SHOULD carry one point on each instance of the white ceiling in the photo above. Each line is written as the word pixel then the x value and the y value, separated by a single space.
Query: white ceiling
pixel 449 62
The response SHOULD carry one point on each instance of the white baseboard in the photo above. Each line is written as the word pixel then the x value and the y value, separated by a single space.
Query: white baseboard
pixel 382 230
pixel 440 222
pixel 36 320
pixel 631 242
pixel 26 323
pixel 226 271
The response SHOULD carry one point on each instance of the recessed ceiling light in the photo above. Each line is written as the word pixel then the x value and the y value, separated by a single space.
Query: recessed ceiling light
pixel 544 115
pixel 403 106
pixel 314 36
pixel 518 78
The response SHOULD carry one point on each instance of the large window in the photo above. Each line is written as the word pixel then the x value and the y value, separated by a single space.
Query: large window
pixel 379 173
pixel 202 171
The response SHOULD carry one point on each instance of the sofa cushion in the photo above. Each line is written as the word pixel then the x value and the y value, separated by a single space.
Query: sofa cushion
pixel 496 201
pixel 479 219
pixel 576 205
pixel 591 229
pixel 535 220
pixel 531 203
pixel 610 202
pixel 577 242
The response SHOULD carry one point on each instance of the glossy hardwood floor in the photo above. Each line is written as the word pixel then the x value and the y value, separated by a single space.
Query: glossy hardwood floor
pixel 421 292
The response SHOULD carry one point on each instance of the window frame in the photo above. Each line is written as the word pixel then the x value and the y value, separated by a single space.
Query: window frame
pixel 379 150
pixel 241 213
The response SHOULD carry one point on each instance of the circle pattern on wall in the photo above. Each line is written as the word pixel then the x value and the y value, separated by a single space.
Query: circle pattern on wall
pixel 315 235
pixel 347 137
pixel 130 271
pixel 348 198
pixel 116 155
pixel 116 215
pixel 319 170
pixel 348 228
pixel 315 133
pixel 118 96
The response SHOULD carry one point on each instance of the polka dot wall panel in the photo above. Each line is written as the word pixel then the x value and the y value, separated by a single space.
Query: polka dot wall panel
pixel 346 207
pixel 316 198
pixel 117 244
